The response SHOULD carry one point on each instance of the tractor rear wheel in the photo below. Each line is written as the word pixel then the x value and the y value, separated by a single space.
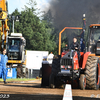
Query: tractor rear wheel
pixel 92 72
pixel 82 81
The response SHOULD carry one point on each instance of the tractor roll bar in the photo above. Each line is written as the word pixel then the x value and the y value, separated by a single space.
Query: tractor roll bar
pixel 59 53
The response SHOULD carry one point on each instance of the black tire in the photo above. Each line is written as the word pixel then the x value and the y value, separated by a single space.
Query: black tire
pixel 56 65
pixel 51 81
pixel 91 72
pixel 82 82
pixel 55 69
pixel 40 73
pixel 20 52
pixel 46 71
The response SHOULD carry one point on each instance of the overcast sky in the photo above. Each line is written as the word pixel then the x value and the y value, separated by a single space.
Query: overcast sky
pixel 19 4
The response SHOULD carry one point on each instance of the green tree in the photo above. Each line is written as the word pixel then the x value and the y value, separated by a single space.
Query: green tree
pixel 35 31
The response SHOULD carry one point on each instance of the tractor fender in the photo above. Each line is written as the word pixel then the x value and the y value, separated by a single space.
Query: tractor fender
pixel 99 72
pixel 85 57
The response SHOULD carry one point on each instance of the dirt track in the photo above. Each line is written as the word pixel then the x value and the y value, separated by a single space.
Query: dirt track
pixel 32 91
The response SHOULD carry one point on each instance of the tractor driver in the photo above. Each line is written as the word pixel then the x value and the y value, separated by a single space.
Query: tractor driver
pixel 76 46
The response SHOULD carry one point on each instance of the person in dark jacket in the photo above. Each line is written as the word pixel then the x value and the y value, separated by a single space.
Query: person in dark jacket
pixel 76 46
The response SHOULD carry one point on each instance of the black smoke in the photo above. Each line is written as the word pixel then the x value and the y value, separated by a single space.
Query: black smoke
pixel 69 12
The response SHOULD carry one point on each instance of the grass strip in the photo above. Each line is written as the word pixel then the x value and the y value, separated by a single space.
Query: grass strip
pixel 19 79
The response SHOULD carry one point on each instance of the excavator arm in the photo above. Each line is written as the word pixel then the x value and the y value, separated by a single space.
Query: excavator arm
pixel 4 27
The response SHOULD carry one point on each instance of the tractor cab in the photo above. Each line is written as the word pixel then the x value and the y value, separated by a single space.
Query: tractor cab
pixel 94 39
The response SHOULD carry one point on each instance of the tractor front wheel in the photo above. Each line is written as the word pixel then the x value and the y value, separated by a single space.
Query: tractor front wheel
pixel 82 81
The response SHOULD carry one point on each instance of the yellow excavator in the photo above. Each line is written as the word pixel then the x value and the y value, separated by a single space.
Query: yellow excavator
pixel 14 43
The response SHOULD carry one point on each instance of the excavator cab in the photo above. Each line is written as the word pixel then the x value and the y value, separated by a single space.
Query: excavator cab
pixel 16 47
